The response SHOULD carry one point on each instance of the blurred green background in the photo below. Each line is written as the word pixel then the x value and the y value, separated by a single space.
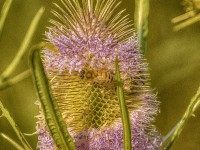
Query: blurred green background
pixel 173 59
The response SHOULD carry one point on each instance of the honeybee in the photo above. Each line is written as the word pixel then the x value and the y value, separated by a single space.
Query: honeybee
pixel 98 76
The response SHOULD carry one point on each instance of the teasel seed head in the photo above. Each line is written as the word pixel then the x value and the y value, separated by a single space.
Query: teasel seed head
pixel 79 63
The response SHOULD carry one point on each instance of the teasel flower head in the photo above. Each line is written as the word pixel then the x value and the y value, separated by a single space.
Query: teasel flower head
pixel 79 63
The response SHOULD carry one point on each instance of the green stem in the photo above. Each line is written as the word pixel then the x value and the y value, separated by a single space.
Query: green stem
pixel 123 109
pixel 4 13
pixel 53 116
pixel 188 113
pixel 24 45
pixel 141 22
pixel 15 127
pixel 12 81
pixel 187 23
pixel 11 141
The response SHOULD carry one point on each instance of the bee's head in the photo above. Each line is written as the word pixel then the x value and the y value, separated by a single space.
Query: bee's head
pixel 86 74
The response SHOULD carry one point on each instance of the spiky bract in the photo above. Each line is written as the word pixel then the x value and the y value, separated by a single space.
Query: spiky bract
pixel 86 38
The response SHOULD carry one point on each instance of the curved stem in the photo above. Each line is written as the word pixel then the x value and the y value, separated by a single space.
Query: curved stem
pixel 23 47
pixel 4 13
pixel 11 141
pixel 15 127
pixel 195 101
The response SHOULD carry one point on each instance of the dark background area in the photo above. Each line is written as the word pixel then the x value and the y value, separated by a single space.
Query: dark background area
pixel 173 59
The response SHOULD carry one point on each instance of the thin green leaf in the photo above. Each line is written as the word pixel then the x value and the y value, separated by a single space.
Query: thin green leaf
pixel 4 13
pixel 141 22
pixel 180 126
pixel 11 141
pixel 24 46
pixel 21 137
pixel 53 117
pixel 123 108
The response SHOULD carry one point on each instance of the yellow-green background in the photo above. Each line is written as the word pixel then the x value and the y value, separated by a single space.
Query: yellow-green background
pixel 173 58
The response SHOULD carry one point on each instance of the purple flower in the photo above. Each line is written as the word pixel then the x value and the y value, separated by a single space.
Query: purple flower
pixel 80 66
